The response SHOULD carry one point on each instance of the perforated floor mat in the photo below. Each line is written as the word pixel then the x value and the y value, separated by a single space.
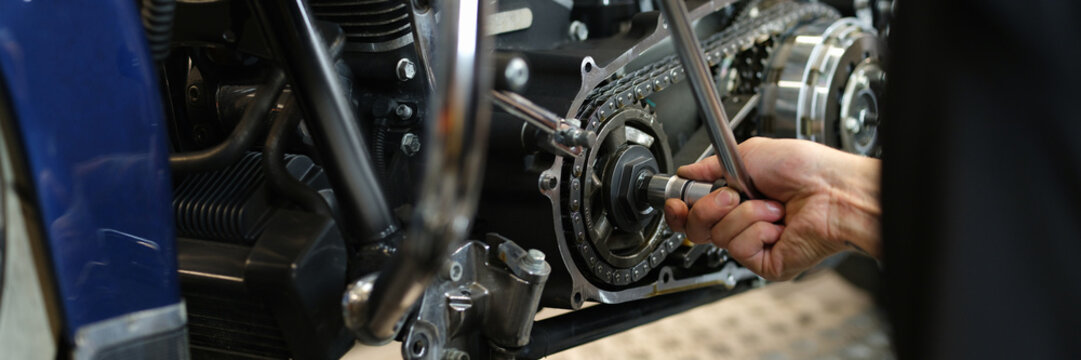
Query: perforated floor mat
pixel 819 317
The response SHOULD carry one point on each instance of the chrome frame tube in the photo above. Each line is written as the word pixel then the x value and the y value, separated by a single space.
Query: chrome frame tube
pixel 529 112
pixel 705 94
pixel 297 43
pixel 457 133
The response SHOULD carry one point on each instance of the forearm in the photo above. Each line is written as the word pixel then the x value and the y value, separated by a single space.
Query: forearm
pixel 856 210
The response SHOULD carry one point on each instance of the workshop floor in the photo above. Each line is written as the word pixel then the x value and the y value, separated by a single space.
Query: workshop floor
pixel 819 317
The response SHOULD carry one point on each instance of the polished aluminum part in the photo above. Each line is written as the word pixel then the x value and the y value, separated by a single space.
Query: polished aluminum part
pixel 709 101
pixel 328 113
pixel 500 294
pixel 356 311
pixel 565 137
pixel 456 140
pixel 509 21
pixel 661 187
pixel 424 30
pixel 94 339
pixel 810 70
pixel 860 108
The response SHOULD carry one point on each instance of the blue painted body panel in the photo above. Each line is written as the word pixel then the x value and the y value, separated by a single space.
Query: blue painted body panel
pixel 87 104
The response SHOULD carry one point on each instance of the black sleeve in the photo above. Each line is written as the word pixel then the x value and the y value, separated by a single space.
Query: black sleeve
pixel 982 179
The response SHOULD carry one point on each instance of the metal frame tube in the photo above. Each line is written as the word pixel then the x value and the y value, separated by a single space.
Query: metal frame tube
pixel 457 133
pixel 705 94
pixel 563 332
pixel 295 41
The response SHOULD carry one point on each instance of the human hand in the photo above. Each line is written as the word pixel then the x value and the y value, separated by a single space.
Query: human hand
pixel 821 201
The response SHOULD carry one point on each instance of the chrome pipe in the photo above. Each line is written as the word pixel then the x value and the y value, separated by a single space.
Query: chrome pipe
pixel 705 94
pixel 457 132
pixel 297 43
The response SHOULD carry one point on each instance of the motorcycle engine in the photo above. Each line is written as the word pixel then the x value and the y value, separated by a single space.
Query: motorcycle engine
pixel 790 69
pixel 786 69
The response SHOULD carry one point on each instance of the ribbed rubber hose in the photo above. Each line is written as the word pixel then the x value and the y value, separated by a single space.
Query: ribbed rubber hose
pixel 278 177
pixel 251 124
pixel 158 22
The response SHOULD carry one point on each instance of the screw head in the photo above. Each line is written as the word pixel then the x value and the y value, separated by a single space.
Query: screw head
pixel 406 69
pixel 548 181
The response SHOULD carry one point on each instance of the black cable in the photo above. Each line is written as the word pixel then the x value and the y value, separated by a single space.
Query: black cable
pixel 278 178
pixel 251 124
pixel 158 22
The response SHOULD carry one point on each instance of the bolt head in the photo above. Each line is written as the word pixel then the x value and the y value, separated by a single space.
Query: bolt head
pixel 404 112
pixel 536 255
pixel 578 31
pixel 406 69
pixel 410 144
pixel 517 73
pixel 852 125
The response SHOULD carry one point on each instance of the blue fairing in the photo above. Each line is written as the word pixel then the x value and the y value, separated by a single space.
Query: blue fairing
pixel 88 108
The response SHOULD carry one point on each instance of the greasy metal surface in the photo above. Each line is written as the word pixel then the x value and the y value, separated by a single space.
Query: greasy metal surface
pixel 87 106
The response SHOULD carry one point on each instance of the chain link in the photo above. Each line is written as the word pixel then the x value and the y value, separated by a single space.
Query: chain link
pixel 750 29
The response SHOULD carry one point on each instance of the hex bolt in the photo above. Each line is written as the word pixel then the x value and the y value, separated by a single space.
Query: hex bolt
pixel 578 31
pixel 406 70
pixel 404 112
pixel 410 144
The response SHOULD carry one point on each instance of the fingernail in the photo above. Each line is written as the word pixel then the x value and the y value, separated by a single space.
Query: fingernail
pixel 773 207
pixel 727 197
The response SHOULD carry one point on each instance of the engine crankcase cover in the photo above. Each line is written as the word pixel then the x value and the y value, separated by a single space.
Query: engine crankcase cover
pixel 615 236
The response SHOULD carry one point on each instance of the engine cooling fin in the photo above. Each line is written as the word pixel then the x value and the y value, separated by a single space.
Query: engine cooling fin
pixel 228 205
pixel 369 25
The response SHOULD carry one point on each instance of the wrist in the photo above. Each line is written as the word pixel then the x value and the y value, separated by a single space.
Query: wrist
pixel 855 206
